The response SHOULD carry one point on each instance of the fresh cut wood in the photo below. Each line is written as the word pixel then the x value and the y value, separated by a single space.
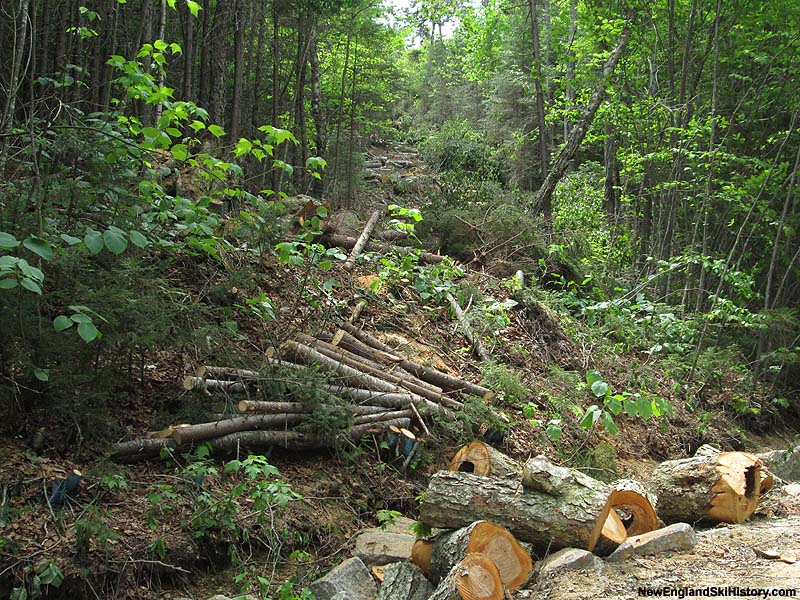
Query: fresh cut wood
pixel 226 373
pixel 347 243
pixel 207 431
pixel 362 240
pixel 466 328
pixel 481 459
pixel 724 486
pixel 199 384
pixel 450 548
pixel 568 509
pixel 474 578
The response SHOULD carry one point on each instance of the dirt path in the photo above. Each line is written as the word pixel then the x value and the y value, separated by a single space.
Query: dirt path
pixel 724 557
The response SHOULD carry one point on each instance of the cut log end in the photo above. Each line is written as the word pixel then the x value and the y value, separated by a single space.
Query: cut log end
pixel 421 553
pixel 512 560
pixel 478 578
pixel 481 459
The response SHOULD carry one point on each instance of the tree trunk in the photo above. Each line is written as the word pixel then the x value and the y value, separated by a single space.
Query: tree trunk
pixel 362 240
pixel 723 487
pixel 544 155
pixel 348 242
pixel 474 578
pixel 543 200
pixel 317 107
pixel 189 50
pixel 481 459
pixel 219 61
pixel 215 429
pixel 20 27
pixel 512 560
pixel 239 28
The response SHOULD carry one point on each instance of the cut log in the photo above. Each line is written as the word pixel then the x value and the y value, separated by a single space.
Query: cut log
pixel 226 373
pixel 198 384
pixel 347 243
pixel 496 542
pixel 143 448
pixel 396 399
pixel 439 378
pixel 723 487
pixel 629 509
pixel 271 408
pixel 404 581
pixel 383 416
pixel 466 328
pixel 393 374
pixel 421 555
pixel 572 514
pixel 474 578
pixel 166 432
pixel 370 378
pixel 481 459
pixel 362 240
pixel 207 431
pixel 359 308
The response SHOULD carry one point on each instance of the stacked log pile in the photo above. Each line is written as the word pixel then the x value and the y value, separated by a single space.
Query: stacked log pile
pixel 373 387
pixel 486 504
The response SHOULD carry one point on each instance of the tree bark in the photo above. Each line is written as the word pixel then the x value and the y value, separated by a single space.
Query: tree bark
pixel 466 328
pixel 215 429
pixel 238 70
pixel 543 200
pixel 544 155
pixel 474 578
pixel 725 487
pixel 349 242
pixel 404 581
pixel 362 240
pixel 512 560
pixel 428 374
pixel 192 383
pixel 481 459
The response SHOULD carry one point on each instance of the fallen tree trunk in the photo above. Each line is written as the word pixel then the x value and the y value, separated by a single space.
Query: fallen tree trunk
pixel 723 487
pixel 382 416
pixel 349 242
pixel 481 459
pixel 450 548
pixel 469 333
pixel 137 449
pixel 207 431
pixel 474 578
pixel 443 380
pixel 271 408
pixel 354 371
pixel 362 240
pixel 226 373
pixel 572 510
pixel 396 399
pixel 198 384
pixel 394 374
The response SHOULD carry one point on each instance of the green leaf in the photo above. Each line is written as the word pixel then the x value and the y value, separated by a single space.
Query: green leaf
pixel 8 241
pixel 600 388
pixel 137 239
pixel 608 423
pixel 553 430
pixel 8 283
pixel 115 240
pixel 614 405
pixel 42 375
pixel 216 130
pixel 31 285
pixel 179 152
pixel 243 147
pixel 62 323
pixel 39 246
pixel 93 240
pixel 88 332
pixel 591 416
pixel 81 318
pixel 69 239
pixel 645 407
pixel 592 376
pixel 193 7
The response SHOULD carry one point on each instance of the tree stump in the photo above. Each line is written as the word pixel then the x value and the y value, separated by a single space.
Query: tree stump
pixel 481 459
pixel 512 560
pixel 474 578
pixel 714 487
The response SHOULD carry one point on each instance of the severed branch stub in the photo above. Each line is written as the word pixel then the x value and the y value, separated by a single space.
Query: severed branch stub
pixel 466 328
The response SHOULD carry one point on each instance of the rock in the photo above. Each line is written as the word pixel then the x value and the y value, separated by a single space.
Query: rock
pixel 678 537
pixel 570 559
pixel 382 547
pixel 351 577
pixel 784 464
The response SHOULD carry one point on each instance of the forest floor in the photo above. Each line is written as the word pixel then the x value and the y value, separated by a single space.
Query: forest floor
pixel 106 535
